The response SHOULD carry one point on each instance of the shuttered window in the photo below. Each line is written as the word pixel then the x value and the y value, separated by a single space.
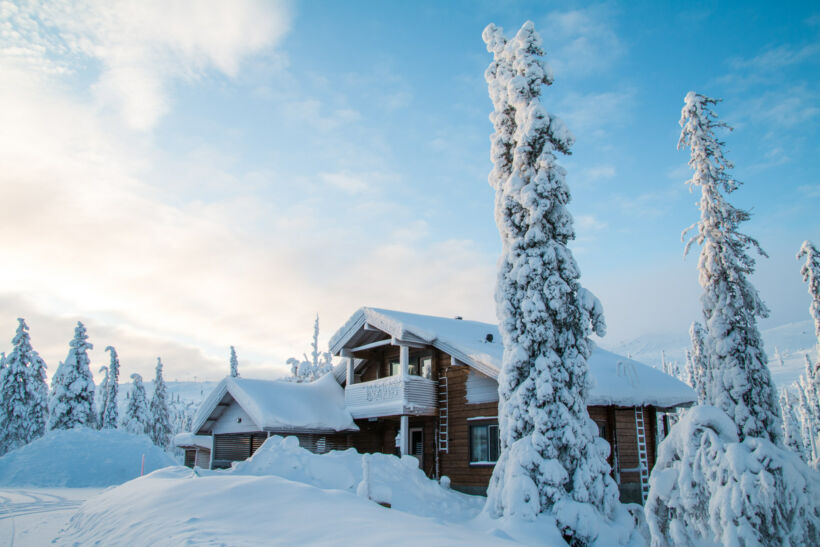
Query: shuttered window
pixel 235 447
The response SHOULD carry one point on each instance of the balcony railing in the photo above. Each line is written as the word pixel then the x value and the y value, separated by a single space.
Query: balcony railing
pixel 392 396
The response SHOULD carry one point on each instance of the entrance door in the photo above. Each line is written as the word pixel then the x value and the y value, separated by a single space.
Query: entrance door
pixel 417 444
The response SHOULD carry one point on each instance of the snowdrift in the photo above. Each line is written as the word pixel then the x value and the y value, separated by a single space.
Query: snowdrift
pixel 398 482
pixel 79 458
pixel 174 506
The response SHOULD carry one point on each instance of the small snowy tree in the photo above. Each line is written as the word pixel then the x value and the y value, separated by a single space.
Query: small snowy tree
pixel 708 488
pixel 234 363
pixel 809 383
pixel 23 393
pixel 160 419
pixel 697 371
pixel 102 391
pixel 740 382
pixel 72 387
pixel 137 419
pixel 552 460
pixel 313 368
pixel 792 434
pixel 110 414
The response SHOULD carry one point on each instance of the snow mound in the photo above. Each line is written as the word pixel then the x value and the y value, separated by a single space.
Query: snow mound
pixel 397 481
pixel 81 457
pixel 175 506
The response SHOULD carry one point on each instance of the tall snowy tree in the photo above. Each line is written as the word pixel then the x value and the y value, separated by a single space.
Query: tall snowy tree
pixel 697 365
pixel 552 460
pixel 110 415
pixel 160 431
pixel 137 419
pixel 23 393
pixel 72 388
pixel 741 384
pixel 313 367
pixel 102 391
pixel 722 476
pixel 234 363
pixel 811 275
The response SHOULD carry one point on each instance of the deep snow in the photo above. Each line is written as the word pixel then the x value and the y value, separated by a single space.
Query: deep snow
pixel 81 458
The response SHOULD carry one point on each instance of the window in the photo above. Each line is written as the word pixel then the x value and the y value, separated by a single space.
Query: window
pixel 484 444
pixel 415 365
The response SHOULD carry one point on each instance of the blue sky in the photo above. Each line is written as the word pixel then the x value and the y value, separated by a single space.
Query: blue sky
pixel 187 176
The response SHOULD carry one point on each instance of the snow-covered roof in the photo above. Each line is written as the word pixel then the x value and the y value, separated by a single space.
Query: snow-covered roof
pixel 276 405
pixel 616 380
pixel 187 439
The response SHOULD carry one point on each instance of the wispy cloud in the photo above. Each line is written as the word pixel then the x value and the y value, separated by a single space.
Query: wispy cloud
pixel 581 41
pixel 593 113
pixel 136 49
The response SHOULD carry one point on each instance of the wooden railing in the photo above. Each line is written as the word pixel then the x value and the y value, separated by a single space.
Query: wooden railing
pixel 392 396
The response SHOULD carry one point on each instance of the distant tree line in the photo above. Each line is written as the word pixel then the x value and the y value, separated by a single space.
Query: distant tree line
pixel 28 408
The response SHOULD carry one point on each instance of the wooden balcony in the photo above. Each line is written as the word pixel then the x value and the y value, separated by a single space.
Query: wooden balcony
pixel 392 396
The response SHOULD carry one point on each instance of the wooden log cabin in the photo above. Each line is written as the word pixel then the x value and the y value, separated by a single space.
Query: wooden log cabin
pixel 426 386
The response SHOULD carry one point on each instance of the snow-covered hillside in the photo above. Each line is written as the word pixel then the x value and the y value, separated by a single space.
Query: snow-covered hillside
pixel 791 341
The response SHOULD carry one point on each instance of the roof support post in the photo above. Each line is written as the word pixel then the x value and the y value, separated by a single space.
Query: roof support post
pixel 404 432
pixel 404 361
pixel 350 376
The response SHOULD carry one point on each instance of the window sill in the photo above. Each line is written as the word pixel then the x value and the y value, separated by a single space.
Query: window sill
pixel 482 464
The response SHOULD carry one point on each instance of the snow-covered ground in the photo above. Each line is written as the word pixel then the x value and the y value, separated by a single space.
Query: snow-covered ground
pixel 34 516
pixel 283 495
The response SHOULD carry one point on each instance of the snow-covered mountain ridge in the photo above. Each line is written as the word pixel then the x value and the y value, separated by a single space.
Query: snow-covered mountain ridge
pixel 790 341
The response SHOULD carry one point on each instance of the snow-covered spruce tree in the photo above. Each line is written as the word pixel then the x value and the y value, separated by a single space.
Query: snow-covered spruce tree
pixel 102 391
pixel 160 418
pixel 792 435
pixel 23 393
pixel 811 275
pixel 312 368
pixel 234 363
pixel 137 419
pixel 110 416
pixel 740 384
pixel 722 476
pixel 810 381
pixel 72 388
pixel 552 460
pixel 697 370
pixel 709 488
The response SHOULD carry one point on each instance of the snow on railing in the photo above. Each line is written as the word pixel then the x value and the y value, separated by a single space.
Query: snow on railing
pixel 391 396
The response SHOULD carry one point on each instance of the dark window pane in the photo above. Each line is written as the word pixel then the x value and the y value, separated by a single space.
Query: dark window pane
pixel 495 446
pixel 479 443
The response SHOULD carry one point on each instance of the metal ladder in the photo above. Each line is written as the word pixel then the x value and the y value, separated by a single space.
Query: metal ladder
pixel 643 458
pixel 443 416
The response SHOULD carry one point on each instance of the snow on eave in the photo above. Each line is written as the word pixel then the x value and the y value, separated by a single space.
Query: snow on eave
pixel 189 440
pixel 276 405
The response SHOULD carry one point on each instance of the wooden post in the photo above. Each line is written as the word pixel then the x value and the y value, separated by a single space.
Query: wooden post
pixel 404 431
pixel 350 377
pixel 404 361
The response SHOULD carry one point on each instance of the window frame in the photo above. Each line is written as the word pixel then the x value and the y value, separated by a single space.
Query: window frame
pixel 489 427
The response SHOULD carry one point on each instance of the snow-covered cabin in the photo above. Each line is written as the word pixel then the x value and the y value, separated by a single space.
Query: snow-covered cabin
pixel 426 386
pixel 241 413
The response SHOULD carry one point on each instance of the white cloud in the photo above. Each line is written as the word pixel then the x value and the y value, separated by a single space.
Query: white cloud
pixel 593 113
pixel 581 41
pixel 137 48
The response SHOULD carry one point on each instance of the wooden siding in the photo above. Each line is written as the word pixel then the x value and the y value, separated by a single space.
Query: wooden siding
pixel 456 462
